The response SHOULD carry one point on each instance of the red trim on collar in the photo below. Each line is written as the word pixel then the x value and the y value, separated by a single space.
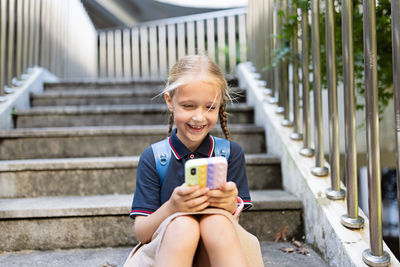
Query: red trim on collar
pixel 212 146
pixel 173 148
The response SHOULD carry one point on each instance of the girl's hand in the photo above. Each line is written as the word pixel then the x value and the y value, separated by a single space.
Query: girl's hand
pixel 189 198
pixel 225 197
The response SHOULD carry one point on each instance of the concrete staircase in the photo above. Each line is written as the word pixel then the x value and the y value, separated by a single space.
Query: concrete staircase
pixel 68 171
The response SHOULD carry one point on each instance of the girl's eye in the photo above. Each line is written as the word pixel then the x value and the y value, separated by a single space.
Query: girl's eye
pixel 187 106
pixel 211 107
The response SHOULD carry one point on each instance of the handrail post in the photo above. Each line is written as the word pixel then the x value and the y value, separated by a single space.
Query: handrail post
pixel 319 169
pixel 351 219
pixel 375 256
pixel 275 44
pixel 306 150
pixel 278 67
pixel 269 40
pixel 284 76
pixel 3 24
pixel 395 9
pixel 296 135
pixel 335 192
pixel 11 45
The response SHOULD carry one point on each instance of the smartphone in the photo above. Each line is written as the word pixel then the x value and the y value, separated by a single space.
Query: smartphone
pixel 206 172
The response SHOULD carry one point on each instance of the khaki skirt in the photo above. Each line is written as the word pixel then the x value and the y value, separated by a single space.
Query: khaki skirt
pixel 144 255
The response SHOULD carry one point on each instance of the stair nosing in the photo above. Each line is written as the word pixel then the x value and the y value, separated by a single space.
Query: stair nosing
pixel 103 205
pixel 100 109
pixel 90 163
pixel 110 130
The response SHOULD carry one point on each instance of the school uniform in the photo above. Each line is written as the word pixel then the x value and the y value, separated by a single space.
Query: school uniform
pixel 150 194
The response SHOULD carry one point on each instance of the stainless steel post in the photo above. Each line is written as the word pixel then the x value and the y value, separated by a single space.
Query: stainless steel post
pixel 26 39
pixel 396 84
pixel 319 169
pixel 334 192
pixel 275 44
pixel 351 219
pixel 18 56
pixel 11 44
pixel 3 24
pixel 31 44
pixel 285 76
pixel 296 135
pixel 305 84
pixel 37 34
pixel 375 256
pixel 279 68
pixel 269 38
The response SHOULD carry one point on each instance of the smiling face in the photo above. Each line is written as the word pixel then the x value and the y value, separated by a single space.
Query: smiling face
pixel 195 106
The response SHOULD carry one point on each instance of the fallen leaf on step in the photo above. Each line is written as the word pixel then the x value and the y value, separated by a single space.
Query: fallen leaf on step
pixel 282 233
pixel 107 264
pixel 287 250
pixel 303 251
pixel 297 243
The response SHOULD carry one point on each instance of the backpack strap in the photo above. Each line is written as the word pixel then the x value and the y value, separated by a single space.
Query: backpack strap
pixel 222 147
pixel 162 155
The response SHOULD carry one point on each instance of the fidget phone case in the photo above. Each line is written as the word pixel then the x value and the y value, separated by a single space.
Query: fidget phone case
pixel 206 172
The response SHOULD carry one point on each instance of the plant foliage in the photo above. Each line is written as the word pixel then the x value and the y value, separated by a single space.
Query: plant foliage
pixel 384 46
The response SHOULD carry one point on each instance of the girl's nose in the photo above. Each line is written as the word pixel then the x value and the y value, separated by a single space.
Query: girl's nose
pixel 198 115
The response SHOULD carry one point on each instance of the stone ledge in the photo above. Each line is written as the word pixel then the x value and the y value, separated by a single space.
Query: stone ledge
pixel 20 98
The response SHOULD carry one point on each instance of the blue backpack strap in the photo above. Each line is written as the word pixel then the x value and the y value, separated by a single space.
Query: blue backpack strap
pixel 222 147
pixel 162 155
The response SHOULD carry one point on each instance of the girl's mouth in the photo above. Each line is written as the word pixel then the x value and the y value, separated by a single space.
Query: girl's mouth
pixel 196 128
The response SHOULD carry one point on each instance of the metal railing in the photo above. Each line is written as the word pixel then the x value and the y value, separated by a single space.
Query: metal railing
pixel 148 50
pixel 57 35
pixel 261 44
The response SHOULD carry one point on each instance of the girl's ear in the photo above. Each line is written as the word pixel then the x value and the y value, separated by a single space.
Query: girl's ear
pixel 168 101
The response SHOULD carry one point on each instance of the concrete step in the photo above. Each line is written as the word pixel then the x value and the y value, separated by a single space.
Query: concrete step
pixel 107 97
pixel 141 85
pixel 102 176
pixel 63 116
pixel 272 256
pixel 98 85
pixel 105 141
pixel 102 221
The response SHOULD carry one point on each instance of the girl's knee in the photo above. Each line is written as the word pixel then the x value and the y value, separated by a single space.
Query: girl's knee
pixel 184 228
pixel 217 228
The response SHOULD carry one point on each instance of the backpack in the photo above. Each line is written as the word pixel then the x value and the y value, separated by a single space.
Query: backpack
pixel 162 154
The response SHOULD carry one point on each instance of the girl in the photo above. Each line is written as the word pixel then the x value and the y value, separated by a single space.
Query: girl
pixel 179 225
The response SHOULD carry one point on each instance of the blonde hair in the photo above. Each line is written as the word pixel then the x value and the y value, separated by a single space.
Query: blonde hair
pixel 195 65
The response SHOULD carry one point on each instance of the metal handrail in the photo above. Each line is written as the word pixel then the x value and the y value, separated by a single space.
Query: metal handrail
pixel 148 50
pixel 375 256
pixel 57 35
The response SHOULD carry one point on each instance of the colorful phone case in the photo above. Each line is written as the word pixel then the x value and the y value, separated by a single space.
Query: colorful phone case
pixel 210 172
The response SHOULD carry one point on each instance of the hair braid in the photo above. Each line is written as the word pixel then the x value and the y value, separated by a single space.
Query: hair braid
pixel 223 120
pixel 171 122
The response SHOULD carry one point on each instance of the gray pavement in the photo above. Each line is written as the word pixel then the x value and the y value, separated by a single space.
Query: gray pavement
pixel 115 257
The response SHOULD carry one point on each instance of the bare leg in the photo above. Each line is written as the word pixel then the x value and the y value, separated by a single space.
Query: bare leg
pixel 221 241
pixel 179 243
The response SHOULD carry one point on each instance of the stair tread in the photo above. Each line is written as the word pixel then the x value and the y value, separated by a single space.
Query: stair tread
pixel 109 130
pixel 66 206
pixel 98 109
pixel 103 94
pixel 93 93
pixel 95 257
pixel 102 162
